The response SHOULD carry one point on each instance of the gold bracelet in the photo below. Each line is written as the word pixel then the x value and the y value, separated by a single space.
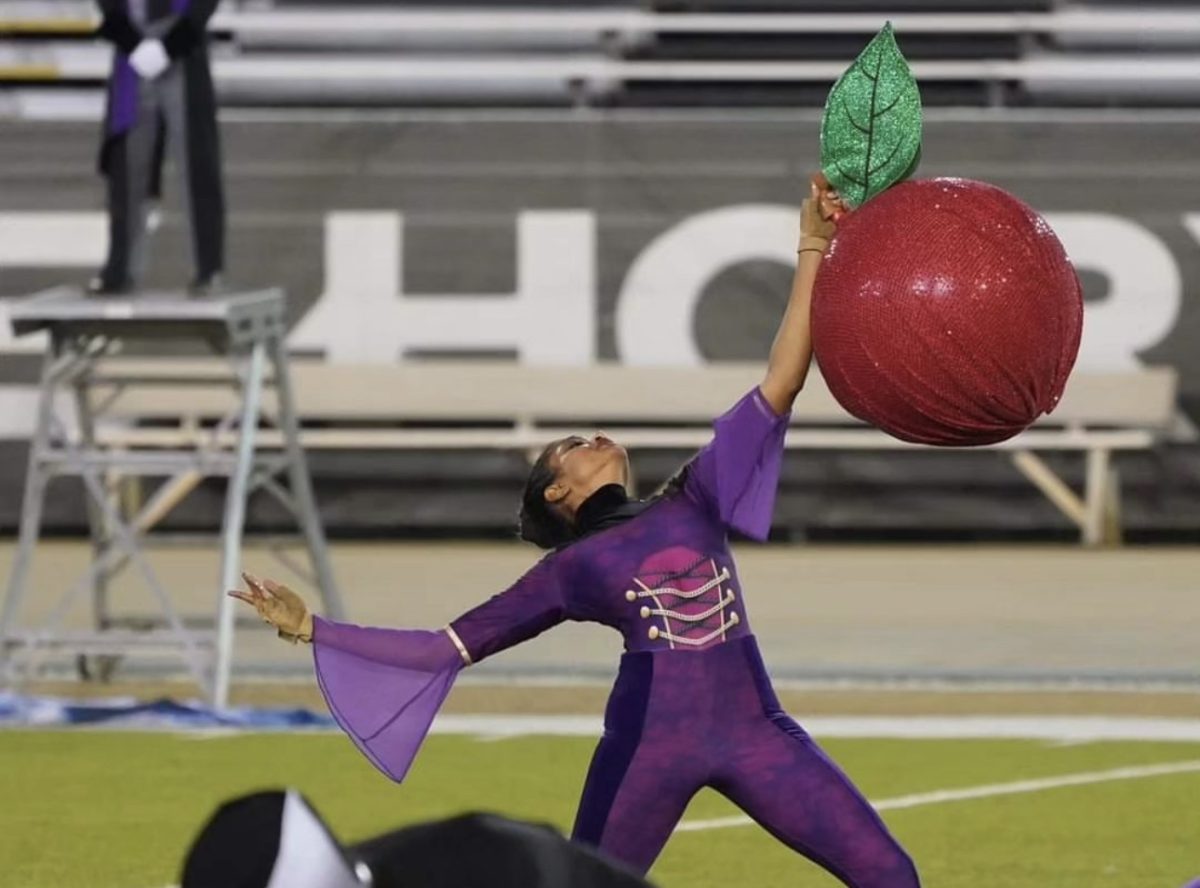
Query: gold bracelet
pixel 458 643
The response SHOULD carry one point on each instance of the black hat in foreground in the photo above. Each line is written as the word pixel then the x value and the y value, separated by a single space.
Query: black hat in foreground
pixel 275 839
pixel 270 839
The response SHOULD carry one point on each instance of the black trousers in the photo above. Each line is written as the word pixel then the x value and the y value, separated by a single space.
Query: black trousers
pixel 173 123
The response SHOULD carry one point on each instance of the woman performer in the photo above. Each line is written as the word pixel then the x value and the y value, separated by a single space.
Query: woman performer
pixel 692 705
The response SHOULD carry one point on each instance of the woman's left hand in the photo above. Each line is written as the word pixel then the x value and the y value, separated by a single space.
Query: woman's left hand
pixel 279 606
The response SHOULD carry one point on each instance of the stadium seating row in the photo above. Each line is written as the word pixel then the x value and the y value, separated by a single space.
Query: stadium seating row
pixel 519 54
pixel 436 406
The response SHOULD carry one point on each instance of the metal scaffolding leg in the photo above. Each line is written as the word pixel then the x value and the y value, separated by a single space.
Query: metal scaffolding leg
pixel 235 516
pixel 31 512
pixel 247 326
pixel 97 529
pixel 126 540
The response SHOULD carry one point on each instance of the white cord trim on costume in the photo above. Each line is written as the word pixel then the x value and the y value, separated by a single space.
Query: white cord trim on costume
pixel 458 643
pixel 696 642
pixel 632 594
pixel 689 618
pixel 713 563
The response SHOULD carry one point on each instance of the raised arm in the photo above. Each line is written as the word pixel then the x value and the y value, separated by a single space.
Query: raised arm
pixel 791 353
pixel 736 476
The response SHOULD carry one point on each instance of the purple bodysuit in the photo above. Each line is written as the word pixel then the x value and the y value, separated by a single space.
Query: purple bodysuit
pixel 692 705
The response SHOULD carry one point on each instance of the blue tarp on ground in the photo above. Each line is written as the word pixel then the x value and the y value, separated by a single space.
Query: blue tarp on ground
pixel 18 710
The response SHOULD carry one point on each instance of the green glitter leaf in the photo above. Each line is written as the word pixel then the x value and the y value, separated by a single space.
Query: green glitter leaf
pixel 871 129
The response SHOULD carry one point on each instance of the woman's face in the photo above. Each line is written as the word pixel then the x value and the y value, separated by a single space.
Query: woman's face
pixel 582 466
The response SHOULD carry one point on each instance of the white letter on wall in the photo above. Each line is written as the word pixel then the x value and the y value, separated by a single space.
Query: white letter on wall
pixel 657 305
pixel 364 315
pixel 1144 289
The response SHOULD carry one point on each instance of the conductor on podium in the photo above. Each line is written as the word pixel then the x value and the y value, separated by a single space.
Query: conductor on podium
pixel 160 98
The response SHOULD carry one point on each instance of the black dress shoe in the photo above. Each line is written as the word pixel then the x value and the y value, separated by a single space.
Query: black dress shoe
pixel 100 286
pixel 212 285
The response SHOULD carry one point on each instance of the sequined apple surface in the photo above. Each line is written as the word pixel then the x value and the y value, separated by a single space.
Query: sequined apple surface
pixel 946 312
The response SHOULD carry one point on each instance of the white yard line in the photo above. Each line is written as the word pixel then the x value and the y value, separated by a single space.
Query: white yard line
pixel 1055 729
pixel 1066 730
pixel 987 790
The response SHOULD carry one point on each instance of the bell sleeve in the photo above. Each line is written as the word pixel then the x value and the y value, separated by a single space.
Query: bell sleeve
pixel 384 686
pixel 736 475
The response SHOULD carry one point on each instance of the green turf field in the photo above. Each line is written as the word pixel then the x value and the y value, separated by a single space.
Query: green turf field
pixel 116 810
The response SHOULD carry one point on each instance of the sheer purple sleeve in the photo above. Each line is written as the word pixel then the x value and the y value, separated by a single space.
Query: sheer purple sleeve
pixel 384 686
pixel 737 474
pixel 527 608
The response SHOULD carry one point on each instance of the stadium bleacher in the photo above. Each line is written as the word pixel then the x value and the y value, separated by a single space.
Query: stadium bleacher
pixel 499 222
pixel 484 54
pixel 694 53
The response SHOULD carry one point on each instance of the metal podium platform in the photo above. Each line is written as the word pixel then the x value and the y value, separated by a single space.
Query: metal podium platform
pixel 86 334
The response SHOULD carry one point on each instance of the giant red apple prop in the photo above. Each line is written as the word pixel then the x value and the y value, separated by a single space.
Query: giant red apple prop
pixel 945 311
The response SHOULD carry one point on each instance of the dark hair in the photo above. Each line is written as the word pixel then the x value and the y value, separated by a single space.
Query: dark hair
pixel 539 522
pixel 675 483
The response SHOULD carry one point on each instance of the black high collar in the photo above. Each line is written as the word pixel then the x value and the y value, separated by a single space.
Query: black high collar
pixel 606 507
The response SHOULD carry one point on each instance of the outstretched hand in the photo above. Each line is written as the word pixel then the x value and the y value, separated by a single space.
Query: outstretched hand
pixel 819 214
pixel 278 605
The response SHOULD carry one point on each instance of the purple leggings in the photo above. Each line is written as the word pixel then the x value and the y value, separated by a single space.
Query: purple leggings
pixel 678 721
